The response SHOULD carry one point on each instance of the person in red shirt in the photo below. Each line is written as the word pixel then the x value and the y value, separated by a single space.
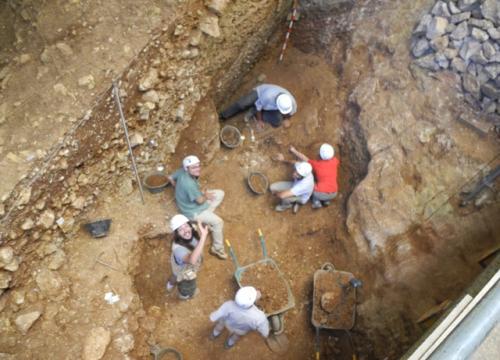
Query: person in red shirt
pixel 325 174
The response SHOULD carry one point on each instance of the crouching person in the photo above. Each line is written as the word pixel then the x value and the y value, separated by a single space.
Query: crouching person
pixel 187 250
pixel 297 192
pixel 239 317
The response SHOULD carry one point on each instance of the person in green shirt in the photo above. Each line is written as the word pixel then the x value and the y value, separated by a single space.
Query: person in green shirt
pixel 199 205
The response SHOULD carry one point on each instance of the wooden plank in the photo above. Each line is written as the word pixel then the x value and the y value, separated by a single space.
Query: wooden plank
pixel 434 310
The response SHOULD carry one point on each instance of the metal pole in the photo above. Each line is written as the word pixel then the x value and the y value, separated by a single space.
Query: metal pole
pixel 116 93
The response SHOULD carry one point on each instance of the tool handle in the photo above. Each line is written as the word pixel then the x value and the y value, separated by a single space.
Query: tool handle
pixel 262 243
pixel 232 254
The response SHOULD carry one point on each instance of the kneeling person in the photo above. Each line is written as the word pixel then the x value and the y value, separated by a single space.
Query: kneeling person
pixel 296 192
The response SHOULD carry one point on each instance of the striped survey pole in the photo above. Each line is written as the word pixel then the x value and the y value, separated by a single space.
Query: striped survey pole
pixel 289 30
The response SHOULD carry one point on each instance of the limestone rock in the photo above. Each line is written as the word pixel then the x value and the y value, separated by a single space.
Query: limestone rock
pixel 136 139
pixel 471 85
pixel 5 279
pixel 126 187
pixel 26 320
pixel 458 65
pixel 210 25
pixel 453 8
pixel 13 265
pixel 24 58
pixel 489 50
pixel 420 48
pixel 96 343
pixel 65 224
pixel 28 224
pixel 469 48
pixel 494 33
pixel 17 297
pixel 24 196
pixel 427 62
pixel 195 38
pixel 124 343
pixel 6 255
pixel 2 210
pixel 49 282
pixel 78 203
pixel 490 90
pixel 460 32
pixel 47 219
pixel 421 28
pixel 437 27
pixel 57 260
pixel 87 81
pixel 64 48
pixel 479 34
pixel 481 23
pixel 491 10
pixel 3 112
pixel 460 17
pixel 149 80
pixel 440 43
pixel 151 96
pixel 216 6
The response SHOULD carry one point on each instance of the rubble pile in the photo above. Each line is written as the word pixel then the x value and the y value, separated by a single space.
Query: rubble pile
pixel 464 36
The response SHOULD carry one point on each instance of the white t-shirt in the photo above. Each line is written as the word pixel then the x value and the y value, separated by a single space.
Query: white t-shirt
pixel 303 188
pixel 241 321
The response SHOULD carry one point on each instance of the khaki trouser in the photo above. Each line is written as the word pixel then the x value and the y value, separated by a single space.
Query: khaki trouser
pixel 283 186
pixel 214 222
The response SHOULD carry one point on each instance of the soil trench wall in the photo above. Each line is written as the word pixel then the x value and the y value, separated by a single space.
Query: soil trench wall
pixel 203 53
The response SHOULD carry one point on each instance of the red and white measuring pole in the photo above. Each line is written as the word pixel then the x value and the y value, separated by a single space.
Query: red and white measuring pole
pixel 289 30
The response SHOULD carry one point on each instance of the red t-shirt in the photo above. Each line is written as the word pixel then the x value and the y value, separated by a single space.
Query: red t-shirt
pixel 325 173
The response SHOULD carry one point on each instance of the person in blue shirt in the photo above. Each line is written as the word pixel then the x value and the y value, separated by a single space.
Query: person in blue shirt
pixel 267 102
pixel 199 205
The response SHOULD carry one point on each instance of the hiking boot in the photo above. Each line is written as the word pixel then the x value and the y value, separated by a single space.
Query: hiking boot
pixel 220 253
pixel 296 208
pixel 214 336
pixel 326 203
pixel 170 287
pixel 317 205
pixel 188 297
pixel 281 208
pixel 228 344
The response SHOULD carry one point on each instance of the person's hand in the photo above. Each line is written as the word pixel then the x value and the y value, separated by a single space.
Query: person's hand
pixel 203 229
pixel 260 125
pixel 209 195
pixel 292 149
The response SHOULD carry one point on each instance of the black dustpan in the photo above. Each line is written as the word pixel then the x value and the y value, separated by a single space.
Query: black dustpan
pixel 98 228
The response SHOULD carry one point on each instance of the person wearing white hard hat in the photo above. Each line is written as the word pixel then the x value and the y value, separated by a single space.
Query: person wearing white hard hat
pixel 267 102
pixel 325 173
pixel 199 205
pixel 240 316
pixel 297 192
pixel 186 257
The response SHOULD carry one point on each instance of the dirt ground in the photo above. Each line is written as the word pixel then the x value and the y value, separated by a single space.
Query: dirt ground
pixel 133 261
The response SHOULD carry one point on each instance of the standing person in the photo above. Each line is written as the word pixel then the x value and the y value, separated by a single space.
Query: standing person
pixel 186 258
pixel 297 192
pixel 199 205
pixel 239 317
pixel 325 172
pixel 269 103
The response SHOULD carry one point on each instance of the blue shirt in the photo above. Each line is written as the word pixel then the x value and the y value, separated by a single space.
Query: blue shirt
pixel 187 190
pixel 266 97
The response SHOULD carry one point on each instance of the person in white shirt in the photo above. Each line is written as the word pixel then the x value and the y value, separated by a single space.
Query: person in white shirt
pixel 297 192
pixel 240 317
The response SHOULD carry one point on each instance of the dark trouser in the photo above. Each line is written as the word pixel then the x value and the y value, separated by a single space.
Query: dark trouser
pixel 242 104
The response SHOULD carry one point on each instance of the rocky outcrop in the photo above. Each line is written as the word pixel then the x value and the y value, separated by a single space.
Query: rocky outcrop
pixel 464 37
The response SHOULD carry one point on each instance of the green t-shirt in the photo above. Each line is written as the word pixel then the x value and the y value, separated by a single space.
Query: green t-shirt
pixel 187 190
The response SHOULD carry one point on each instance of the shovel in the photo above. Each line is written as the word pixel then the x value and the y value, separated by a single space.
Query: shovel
pixel 278 343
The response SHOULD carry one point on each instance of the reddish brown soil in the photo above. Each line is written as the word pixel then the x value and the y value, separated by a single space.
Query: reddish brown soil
pixel 266 278
pixel 156 180
pixel 257 183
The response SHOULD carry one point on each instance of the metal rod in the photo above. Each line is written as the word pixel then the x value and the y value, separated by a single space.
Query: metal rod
pixel 116 93
pixel 289 30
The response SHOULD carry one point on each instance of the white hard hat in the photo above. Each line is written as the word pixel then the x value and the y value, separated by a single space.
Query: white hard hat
pixel 246 296
pixel 190 160
pixel 284 103
pixel 177 221
pixel 303 168
pixel 326 152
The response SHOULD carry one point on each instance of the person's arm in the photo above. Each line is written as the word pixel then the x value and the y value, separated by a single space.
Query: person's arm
pixel 219 313
pixel 281 158
pixel 285 194
pixel 173 178
pixel 263 327
pixel 260 120
pixel 201 199
pixel 172 181
pixel 298 154
pixel 198 250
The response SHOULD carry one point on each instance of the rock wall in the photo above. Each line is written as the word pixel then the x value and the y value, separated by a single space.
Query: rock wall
pixel 464 37
pixel 200 55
